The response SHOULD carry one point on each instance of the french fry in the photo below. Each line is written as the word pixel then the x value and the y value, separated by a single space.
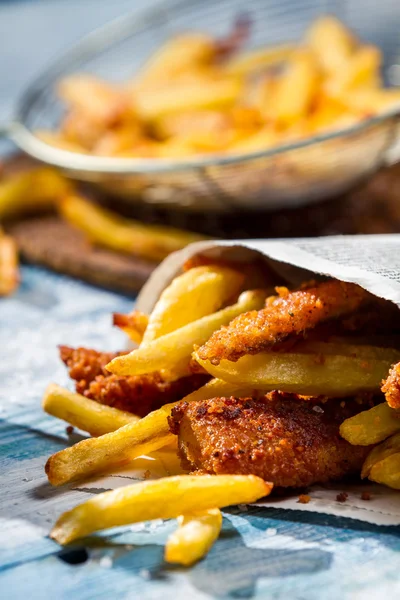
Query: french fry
pixel 307 374
pixel 181 54
pixel 217 388
pixel 191 296
pixel 373 101
pixel 99 100
pixel 387 471
pixel 347 349
pixel 134 324
pixel 265 138
pixel 9 269
pixel 256 60
pixel 165 498
pixel 331 43
pixel 379 454
pixel 119 140
pixel 295 90
pixel 96 455
pixel 112 231
pixel 204 92
pixel 179 124
pixel 371 426
pixel 83 413
pixel 361 70
pixel 170 350
pixel 193 538
pixel 78 128
pixel 31 191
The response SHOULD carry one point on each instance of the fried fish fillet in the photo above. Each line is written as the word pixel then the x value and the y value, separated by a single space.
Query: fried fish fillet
pixel 287 315
pixel 277 437
pixel 139 394
pixel 391 387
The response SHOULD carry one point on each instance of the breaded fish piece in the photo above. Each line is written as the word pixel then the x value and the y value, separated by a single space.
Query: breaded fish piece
pixel 286 315
pixel 85 364
pixel 138 394
pixel 277 437
pixel 391 387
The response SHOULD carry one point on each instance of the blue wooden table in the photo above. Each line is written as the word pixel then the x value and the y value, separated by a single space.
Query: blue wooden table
pixel 262 553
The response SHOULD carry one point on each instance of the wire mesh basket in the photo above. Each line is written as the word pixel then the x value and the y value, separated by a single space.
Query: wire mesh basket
pixel 300 173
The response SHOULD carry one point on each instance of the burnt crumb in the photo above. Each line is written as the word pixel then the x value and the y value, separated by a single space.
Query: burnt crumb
pixel 232 413
pixel 69 430
pixel 201 411
pixel 147 474
pixel 365 496
pixel 304 499
pixel 177 414
pixel 342 497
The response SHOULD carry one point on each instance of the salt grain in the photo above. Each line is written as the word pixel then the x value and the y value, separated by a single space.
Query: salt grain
pixel 318 409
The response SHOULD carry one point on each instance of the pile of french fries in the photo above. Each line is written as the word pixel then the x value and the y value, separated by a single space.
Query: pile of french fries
pixel 198 302
pixel 43 189
pixel 187 100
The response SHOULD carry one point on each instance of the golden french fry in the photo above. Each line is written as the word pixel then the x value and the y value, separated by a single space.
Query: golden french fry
pixel 331 43
pixel 119 140
pixel 117 448
pixel 179 124
pixel 134 324
pixel 371 426
pixel 98 100
pixel 347 349
pixel 194 537
pixel 387 471
pixel 165 498
pixel 178 55
pixel 9 268
pixel 381 452
pixel 31 192
pixel 205 92
pixel 372 101
pixel 191 296
pixel 170 350
pixel 361 70
pixel 294 91
pixel 216 388
pixel 88 415
pixel 124 235
pixel 79 129
pixel 256 60
pixel 331 114
pixel 307 374
pixel 263 139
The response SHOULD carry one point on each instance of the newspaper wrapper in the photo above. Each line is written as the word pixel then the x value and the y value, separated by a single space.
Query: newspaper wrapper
pixel 373 262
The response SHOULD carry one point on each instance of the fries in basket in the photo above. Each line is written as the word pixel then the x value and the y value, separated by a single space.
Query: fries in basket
pixel 281 390
pixel 186 98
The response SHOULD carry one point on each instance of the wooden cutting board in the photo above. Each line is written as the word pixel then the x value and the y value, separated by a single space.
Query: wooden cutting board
pixel 51 242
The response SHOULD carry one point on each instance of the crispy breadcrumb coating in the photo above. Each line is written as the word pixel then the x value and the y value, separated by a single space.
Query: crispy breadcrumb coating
pixel 277 437
pixel 139 394
pixel 391 387
pixel 286 315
